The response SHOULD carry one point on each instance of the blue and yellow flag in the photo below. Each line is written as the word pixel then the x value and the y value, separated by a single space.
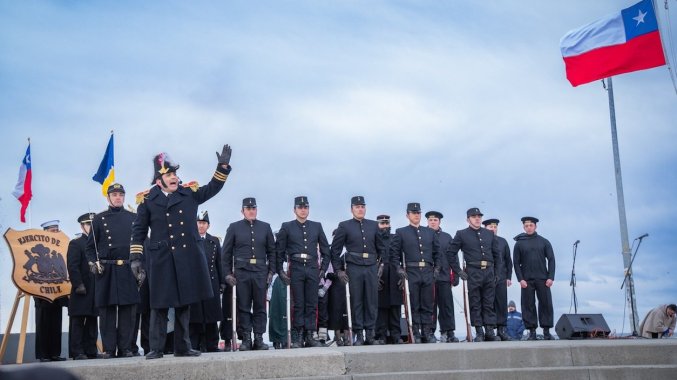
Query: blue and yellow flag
pixel 106 173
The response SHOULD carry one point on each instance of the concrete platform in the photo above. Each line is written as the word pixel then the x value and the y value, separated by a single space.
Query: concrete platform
pixel 616 359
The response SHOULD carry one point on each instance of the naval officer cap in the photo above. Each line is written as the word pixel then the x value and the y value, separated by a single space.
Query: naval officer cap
pixel 383 218
pixel 50 224
pixel 473 211
pixel 529 219
pixel 204 217
pixel 357 200
pixel 414 207
pixel 301 200
pixel 434 214
pixel 491 221
pixel 115 188
pixel 249 202
pixel 86 218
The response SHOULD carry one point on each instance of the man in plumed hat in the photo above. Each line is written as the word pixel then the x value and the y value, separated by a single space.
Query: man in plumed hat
pixel 177 265
pixel 205 315
pixel 388 328
pixel 81 308
pixel 48 317
pixel 417 249
pixel 503 280
pixel 249 247
pixel 299 242
pixel 480 256
pixel 534 262
pixel 116 291
pixel 362 269
pixel 443 302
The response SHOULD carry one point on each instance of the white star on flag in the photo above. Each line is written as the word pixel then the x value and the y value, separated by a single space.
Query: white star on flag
pixel 640 17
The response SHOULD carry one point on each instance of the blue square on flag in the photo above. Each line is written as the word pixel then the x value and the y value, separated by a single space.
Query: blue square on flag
pixel 639 19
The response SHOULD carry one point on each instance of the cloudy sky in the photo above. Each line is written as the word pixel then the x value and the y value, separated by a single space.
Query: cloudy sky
pixel 451 104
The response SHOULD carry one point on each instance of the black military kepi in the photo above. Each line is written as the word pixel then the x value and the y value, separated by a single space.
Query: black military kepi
pixel 86 218
pixel 473 211
pixel 204 217
pixel 414 207
pixel 434 214
pixel 115 188
pixel 491 221
pixel 301 200
pixel 529 219
pixel 357 201
pixel 162 164
pixel 249 202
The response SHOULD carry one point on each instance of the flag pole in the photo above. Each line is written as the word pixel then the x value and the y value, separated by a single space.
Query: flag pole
pixel 30 208
pixel 627 254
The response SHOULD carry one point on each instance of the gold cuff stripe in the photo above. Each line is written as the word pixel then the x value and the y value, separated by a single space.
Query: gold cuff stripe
pixel 220 176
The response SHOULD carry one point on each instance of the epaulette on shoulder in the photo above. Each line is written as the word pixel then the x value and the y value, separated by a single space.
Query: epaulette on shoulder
pixel 141 196
pixel 193 185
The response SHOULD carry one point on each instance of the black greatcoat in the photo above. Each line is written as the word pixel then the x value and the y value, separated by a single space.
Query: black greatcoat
pixel 78 272
pixel 179 275
pixel 209 311
pixel 112 230
pixel 391 295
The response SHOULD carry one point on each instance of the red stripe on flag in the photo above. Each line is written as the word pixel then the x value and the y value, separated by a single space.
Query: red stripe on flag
pixel 25 198
pixel 640 53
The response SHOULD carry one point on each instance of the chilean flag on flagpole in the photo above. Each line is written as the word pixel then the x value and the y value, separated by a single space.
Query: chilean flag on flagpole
pixel 619 43
pixel 22 190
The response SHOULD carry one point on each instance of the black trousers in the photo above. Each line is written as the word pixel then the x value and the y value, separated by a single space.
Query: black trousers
pixel 421 295
pixel 117 327
pixel 388 320
pixel 481 294
pixel 142 323
pixel 251 301
pixel 501 302
pixel 304 285
pixel 537 288
pixel 83 334
pixel 204 336
pixel 323 310
pixel 226 326
pixel 158 329
pixel 363 286
pixel 443 307
pixel 48 318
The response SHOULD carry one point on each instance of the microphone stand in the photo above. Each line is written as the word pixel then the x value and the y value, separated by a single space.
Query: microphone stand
pixel 572 283
pixel 628 278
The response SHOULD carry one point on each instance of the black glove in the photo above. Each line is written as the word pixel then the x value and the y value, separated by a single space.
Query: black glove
pixel 141 278
pixel 463 275
pixel 342 276
pixel 402 273
pixel 321 274
pixel 222 288
pixel 284 278
pixel 231 280
pixel 400 284
pixel 456 280
pixel 436 273
pixel 224 157
pixel 379 272
pixel 381 283
pixel 331 276
pixel 81 290
pixel 269 279
pixel 136 269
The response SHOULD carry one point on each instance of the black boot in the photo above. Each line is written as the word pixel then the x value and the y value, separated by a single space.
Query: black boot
pixel 296 337
pixel 338 338
pixel 451 338
pixel 246 342
pixel 532 334
pixel 359 338
pixel 258 343
pixel 503 334
pixel 546 334
pixel 479 334
pixel 429 334
pixel 371 338
pixel 489 335
pixel 417 333
pixel 310 340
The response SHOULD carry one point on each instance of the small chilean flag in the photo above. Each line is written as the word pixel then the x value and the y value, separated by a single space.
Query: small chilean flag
pixel 22 190
pixel 620 43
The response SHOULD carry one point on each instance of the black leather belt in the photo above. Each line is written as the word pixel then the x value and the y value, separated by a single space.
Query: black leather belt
pixel 115 262
pixel 481 264
pixel 249 261
pixel 363 255
pixel 305 256
pixel 417 264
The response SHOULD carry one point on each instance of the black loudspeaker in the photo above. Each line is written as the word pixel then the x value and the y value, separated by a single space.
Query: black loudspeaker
pixel 582 326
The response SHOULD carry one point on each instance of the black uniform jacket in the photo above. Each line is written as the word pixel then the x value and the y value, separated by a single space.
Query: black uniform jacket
pixel 300 243
pixel 362 241
pixel 477 245
pixel 250 246
pixel 506 259
pixel 112 230
pixel 445 268
pixel 78 272
pixel 530 255
pixel 179 274
pixel 418 245
pixel 209 311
